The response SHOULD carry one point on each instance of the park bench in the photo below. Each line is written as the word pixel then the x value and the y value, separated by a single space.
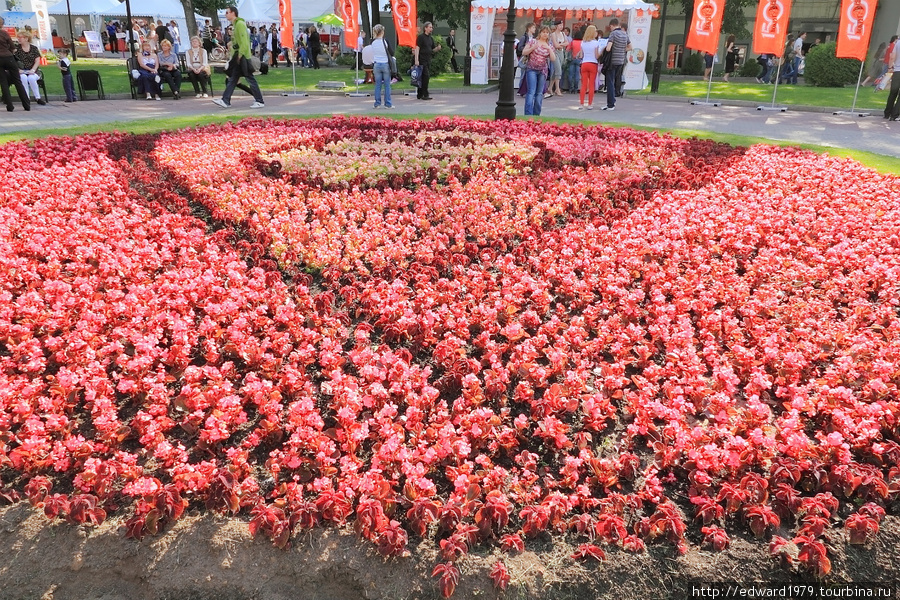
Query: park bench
pixel 131 64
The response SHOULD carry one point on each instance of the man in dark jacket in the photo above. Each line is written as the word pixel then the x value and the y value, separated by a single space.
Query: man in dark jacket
pixel 9 71
pixel 422 54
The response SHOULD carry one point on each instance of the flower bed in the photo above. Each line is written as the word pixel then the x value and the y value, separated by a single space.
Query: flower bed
pixel 602 335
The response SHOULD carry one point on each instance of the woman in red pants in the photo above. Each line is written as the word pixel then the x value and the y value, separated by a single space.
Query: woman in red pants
pixel 590 56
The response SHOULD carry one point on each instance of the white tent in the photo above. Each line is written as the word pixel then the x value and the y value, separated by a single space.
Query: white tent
pixel 566 4
pixel 94 9
pixel 259 11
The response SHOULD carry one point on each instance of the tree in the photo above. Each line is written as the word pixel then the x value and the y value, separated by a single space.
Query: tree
pixel 207 8
pixel 455 12
pixel 734 18
pixel 189 18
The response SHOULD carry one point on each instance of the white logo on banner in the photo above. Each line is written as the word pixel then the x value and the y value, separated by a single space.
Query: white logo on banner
pixel 771 19
pixel 706 12
pixel 857 13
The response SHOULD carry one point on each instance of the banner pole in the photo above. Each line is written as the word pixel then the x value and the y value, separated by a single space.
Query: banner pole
pixel 775 91
pixel 853 110
pixel 708 91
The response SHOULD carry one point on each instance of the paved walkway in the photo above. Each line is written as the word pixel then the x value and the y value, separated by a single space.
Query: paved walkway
pixel 872 133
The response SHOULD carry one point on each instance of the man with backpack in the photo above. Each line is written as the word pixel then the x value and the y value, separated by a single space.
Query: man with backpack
pixel 617 45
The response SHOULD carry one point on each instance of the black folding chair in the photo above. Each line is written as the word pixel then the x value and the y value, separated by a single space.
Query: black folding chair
pixel 89 81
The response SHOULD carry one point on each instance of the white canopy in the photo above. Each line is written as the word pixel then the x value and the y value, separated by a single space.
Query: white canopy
pixel 565 4
pixel 85 7
pixel 259 11
pixel 266 11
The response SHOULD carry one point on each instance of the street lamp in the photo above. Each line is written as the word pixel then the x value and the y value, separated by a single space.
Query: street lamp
pixel 71 32
pixel 506 104
pixel 657 66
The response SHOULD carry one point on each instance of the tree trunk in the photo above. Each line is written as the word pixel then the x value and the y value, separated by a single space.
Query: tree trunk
pixel 688 13
pixel 375 13
pixel 190 20
pixel 366 24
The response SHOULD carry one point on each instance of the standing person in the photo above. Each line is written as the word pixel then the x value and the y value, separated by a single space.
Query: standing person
pixel 730 57
pixel 451 43
pixel 798 56
pixel 272 46
pixel 111 34
pixel 175 36
pixel 382 66
pixel 589 56
pixel 209 36
pixel 875 67
pixel 9 71
pixel 315 46
pixel 539 54
pixel 763 61
pixel 618 44
pixel 162 32
pixel 787 62
pixel 708 61
pixel 530 30
pixel 239 65
pixel 263 44
pixel 423 53
pixel 892 108
pixel 65 67
pixel 29 57
pixel 574 50
pixel 196 60
pixel 559 42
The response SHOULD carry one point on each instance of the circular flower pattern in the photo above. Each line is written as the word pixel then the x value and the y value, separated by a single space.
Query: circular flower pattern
pixel 475 333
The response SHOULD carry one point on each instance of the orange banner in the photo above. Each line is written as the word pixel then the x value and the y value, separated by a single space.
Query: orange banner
pixel 287 24
pixel 706 25
pixel 856 28
pixel 350 15
pixel 770 31
pixel 405 21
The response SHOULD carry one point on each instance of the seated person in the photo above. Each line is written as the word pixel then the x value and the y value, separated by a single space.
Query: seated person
pixel 197 61
pixel 148 72
pixel 58 42
pixel 169 68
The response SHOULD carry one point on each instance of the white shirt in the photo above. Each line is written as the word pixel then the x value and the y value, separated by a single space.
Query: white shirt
pixel 589 51
pixel 798 46
pixel 379 51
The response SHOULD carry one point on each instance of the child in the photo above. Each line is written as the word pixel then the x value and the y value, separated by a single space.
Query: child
pixel 65 69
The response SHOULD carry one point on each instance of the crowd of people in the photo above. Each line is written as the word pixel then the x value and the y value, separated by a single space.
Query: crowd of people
pixel 551 61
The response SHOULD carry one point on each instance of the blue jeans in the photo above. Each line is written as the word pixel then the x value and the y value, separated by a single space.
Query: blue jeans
pixel 251 86
pixel 574 76
pixel 613 74
pixel 796 70
pixel 382 72
pixel 534 98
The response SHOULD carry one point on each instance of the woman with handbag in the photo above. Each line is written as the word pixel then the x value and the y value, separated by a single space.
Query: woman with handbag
pixel 381 53
pixel 540 55
pixel 29 58
pixel 197 61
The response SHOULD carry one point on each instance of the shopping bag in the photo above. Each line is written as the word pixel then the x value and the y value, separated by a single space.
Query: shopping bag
pixel 415 75
pixel 882 82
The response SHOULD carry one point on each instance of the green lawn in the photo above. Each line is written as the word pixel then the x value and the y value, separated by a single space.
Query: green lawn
pixel 798 95
pixel 884 164
pixel 115 78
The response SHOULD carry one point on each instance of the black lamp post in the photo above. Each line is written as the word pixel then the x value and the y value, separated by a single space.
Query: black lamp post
pixel 506 104
pixel 71 32
pixel 657 66
pixel 130 38
pixel 467 61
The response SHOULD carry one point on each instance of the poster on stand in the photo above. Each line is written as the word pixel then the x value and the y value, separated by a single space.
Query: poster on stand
pixel 94 44
pixel 636 65
pixel 43 33
pixel 482 24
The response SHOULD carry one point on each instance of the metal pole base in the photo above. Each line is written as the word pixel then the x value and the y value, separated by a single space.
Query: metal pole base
pixel 704 103
pixel 777 108
pixel 357 95
pixel 855 113
pixel 295 95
